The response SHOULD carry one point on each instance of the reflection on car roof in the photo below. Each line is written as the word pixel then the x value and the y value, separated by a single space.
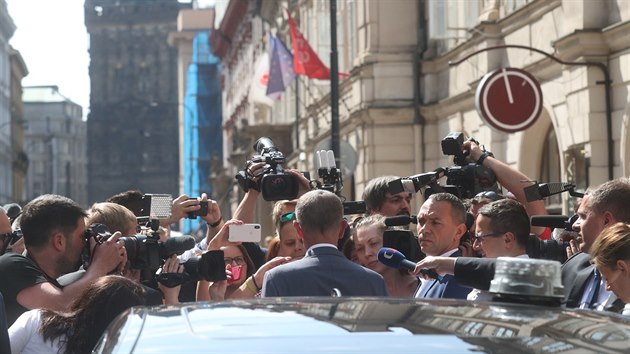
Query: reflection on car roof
pixel 364 325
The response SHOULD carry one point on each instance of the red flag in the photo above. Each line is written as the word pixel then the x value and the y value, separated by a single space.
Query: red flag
pixel 305 60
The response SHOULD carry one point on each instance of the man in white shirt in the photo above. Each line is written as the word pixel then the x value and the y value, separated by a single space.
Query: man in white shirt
pixel 502 230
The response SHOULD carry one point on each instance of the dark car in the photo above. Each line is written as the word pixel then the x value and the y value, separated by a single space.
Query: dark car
pixel 364 325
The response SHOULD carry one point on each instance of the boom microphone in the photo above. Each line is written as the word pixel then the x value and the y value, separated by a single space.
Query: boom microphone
pixel 395 259
pixel 400 220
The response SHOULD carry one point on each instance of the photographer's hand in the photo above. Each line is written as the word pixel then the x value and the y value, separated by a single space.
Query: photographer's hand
pixel 441 265
pixel 222 237
pixel 247 290
pixel 472 150
pixel 171 295
pixel 181 206
pixel 304 183
pixel 109 255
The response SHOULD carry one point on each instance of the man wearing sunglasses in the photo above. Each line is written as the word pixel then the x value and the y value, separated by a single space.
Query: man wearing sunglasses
pixel 324 270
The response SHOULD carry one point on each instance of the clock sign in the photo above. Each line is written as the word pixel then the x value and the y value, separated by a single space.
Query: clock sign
pixel 509 99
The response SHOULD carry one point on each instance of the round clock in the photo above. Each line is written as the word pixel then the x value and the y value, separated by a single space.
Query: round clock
pixel 509 99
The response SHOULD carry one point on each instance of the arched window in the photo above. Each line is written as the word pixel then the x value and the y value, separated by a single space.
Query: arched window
pixel 550 170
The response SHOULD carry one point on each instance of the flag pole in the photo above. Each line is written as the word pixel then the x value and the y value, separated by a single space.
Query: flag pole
pixel 297 116
pixel 334 84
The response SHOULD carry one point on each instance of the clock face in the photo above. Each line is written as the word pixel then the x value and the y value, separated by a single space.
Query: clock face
pixel 509 99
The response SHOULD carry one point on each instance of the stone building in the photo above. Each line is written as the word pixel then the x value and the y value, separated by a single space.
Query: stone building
pixel 55 143
pixel 19 159
pixel 7 28
pixel 402 96
pixel 132 124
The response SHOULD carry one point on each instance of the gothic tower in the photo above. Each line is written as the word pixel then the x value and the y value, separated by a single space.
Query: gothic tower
pixel 132 124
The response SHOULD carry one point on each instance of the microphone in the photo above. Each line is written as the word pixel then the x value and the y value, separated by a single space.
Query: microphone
pixel 555 221
pixel 395 259
pixel 400 220
pixel 176 245
pixel 544 190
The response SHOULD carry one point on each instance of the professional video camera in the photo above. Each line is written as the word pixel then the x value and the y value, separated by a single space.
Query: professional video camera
pixel 465 180
pixel 332 181
pixel 550 249
pixel 275 184
pixel 143 251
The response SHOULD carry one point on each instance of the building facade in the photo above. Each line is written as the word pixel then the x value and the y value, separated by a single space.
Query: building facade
pixel 55 142
pixel 19 158
pixel 7 28
pixel 402 96
pixel 133 121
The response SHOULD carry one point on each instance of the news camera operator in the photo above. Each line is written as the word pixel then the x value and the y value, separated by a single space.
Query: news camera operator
pixel 510 178
pixel 53 227
pixel 379 200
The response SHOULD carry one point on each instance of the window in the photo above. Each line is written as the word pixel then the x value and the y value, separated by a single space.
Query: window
pixel 550 170
pixel 449 20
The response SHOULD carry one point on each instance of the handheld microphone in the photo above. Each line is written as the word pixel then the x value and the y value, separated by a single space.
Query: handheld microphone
pixel 395 259
pixel 400 220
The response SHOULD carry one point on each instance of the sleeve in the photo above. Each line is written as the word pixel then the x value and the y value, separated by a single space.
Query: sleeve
pixel 269 289
pixel 4 335
pixel 474 272
pixel 22 329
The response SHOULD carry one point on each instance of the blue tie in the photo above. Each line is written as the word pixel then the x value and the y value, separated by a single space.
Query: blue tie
pixel 591 298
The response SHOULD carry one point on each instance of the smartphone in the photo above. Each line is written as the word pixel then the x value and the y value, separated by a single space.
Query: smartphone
pixel 236 273
pixel 203 211
pixel 244 233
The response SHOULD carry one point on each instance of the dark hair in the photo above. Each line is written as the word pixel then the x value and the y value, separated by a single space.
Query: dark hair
pixel 507 215
pixel 614 197
pixel 458 210
pixel 131 199
pixel 375 193
pixel 91 312
pixel 47 214
pixel 319 210
pixel 251 268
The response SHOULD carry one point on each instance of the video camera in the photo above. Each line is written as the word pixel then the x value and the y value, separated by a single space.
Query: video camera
pixel 275 184
pixel 550 249
pixel 332 181
pixel 464 180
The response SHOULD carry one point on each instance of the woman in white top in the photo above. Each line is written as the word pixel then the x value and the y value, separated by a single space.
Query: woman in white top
pixel 44 331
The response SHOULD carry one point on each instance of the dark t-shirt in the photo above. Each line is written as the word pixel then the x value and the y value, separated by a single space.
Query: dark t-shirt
pixel 16 274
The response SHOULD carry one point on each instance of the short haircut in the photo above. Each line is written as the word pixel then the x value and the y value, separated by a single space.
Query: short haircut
pixel 612 245
pixel 47 214
pixel 131 199
pixel 375 193
pixel 114 216
pixel 458 210
pixel 614 197
pixel 319 210
pixel 507 215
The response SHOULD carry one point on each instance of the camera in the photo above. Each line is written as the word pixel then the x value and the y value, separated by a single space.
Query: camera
pixel 275 184
pixel 464 180
pixel 203 211
pixel 143 252
pixel 547 249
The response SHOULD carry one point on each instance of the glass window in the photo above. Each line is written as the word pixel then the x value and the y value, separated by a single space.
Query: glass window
pixel 550 170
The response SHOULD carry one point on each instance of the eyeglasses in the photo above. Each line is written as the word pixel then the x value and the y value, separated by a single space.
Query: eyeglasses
pixel 286 217
pixel 492 195
pixel 480 236
pixel 238 260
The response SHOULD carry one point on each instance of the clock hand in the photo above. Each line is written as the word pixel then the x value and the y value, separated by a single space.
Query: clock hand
pixel 507 87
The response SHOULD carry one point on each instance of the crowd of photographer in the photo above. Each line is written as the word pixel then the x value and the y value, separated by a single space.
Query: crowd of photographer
pixel 71 259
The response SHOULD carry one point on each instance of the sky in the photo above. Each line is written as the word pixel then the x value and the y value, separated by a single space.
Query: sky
pixel 54 43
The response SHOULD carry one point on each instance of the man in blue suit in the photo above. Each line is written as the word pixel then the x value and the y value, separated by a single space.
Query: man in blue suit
pixel 441 224
pixel 324 271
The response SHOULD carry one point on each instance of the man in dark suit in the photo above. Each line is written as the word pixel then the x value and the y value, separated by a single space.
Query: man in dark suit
pixel 602 207
pixel 324 271
pixel 441 224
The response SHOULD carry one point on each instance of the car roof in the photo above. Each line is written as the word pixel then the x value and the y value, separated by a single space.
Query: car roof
pixel 363 325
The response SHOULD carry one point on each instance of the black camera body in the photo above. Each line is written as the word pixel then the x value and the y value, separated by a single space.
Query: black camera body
pixel 143 252
pixel 203 211
pixel 275 184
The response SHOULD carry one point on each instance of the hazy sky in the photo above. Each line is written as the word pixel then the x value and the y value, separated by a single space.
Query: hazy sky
pixel 53 42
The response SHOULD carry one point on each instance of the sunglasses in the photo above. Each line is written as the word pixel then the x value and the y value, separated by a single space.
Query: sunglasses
pixel 286 217
pixel 492 195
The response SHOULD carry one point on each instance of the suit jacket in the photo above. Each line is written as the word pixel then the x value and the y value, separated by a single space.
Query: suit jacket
pixel 449 289
pixel 320 271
